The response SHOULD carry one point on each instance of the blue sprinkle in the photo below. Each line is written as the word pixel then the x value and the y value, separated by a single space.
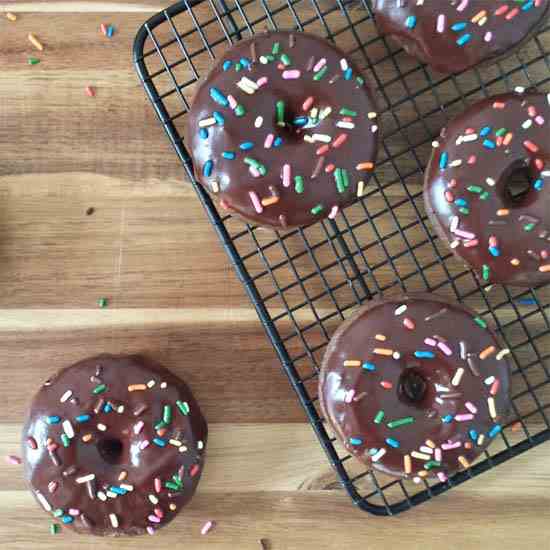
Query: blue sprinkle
pixel 67 519
pixel 373 451
pixel 497 428
pixel 464 39
pixel 447 418
pixel 118 490
pixel 527 301
pixel 457 27
pixel 203 133
pixel 278 141
pixel 393 442
pixel 219 118
pixel 82 418
pixel 424 354
pixel 443 160
pixel 410 22
pixel 369 367
pixel 494 251
pixel 538 185
pixel 348 74
pixel 160 442
pixel 355 441
pixel 207 168
pixel 473 435
pixel 230 155
pixel 461 202
pixel 245 62
pixel 246 145
pixel 489 144
pixel 485 131
pixel 53 419
pixel 227 65
pixel 107 408
pixel 528 6
pixel 300 121
pixel 218 97
pixel 110 31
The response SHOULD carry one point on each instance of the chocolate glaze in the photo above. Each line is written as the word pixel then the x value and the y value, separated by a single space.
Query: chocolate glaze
pixel 232 180
pixel 490 38
pixel 424 389
pixel 521 227
pixel 114 449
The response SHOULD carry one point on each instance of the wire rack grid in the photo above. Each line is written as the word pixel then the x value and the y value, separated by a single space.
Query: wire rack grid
pixel 305 282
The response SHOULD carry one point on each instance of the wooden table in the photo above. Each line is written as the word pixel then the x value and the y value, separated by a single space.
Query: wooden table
pixel 149 249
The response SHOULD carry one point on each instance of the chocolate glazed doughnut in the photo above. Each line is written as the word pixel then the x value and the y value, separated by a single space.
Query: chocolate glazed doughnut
pixel 415 386
pixel 454 35
pixel 114 445
pixel 283 130
pixel 467 195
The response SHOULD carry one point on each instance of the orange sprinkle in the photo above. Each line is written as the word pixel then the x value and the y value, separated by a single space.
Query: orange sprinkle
pixel 407 464
pixel 487 352
pixel 86 438
pixel 499 105
pixel 386 384
pixel 544 268
pixel 329 168
pixel 35 42
pixel 352 363
pixel 516 426
pixel 503 212
pixel 161 432
pixel 11 16
pixel 508 138
pixel 137 387
pixel 322 150
pixel 423 473
pixel 530 146
pixel 468 445
pixel 340 140
pixel 479 15
pixel 383 351
pixel 365 166
pixel 123 475
pixel 269 201
pixel 463 461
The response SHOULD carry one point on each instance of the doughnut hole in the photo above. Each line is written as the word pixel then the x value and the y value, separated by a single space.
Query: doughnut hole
pixel 110 449
pixel 516 189
pixel 414 389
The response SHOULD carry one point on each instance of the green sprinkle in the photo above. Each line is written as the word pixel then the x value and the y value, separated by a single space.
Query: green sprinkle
pixel 298 184
pixel 99 389
pixel 280 109
pixel 58 513
pixel 320 73
pixel 486 272
pixel 240 110
pixel 65 440
pixel 345 178
pixel 360 80
pixel 54 528
pixel 33 61
pixel 183 407
pixel 160 425
pixel 238 66
pixel 344 111
pixel 400 422
pixel 464 211
pixel 500 132
pixel 102 302
pixel 529 227
pixel 285 59
pixel 177 480
pixel 339 180
pixel 475 189
pixel 379 417
pixel 172 486
pixel 258 165
pixel 480 322
pixel 275 50
pixel 317 209
pixel 485 195
pixel 432 464
pixel 167 414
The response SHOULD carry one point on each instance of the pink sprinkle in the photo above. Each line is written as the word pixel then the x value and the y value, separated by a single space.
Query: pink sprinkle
pixel 488 36
pixel 463 5
pixel 150 530
pixel 449 446
pixel 207 527
pixel 138 427
pixel 262 81
pixel 319 65
pixel 12 459
pixel 291 75
pixel 539 120
pixel 286 175
pixel 308 103
pixel 158 512
pixel 464 417
pixel 430 342
pixel 465 234
pixel 52 486
pixel 471 407
pixel 333 212
pixel 349 396
pixel 256 202
pixel 441 22
pixel 144 444
pixel 158 485
pixel 74 512
pixel 438 455
pixel 232 101
pixel 442 477
pixel 444 348
pixel 472 159
pixel 471 243
pixel 269 141
pixel 153 519
pixel 409 323
pixel 90 91
pixel 254 172
pixel 495 387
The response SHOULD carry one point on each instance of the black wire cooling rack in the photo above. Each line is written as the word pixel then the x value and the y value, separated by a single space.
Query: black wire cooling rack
pixel 305 282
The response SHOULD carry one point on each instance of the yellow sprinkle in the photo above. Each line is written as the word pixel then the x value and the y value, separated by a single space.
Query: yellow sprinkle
pixel 215 186
pixel 430 444
pixel 11 16
pixel 502 353
pixel 420 456
pixel 361 188
pixel 503 212
pixel 463 461
pixel 383 351
pixel 137 387
pixel 423 473
pixel 515 262
pixel 123 475
pixel 457 376
pixel 480 439
pixel 487 352
pixel 380 337
pixel 371 115
pixel 492 407
pixel 479 15
pixel 407 464
pixel 269 201
pixel 172 506
pixel 352 363
pixel 35 42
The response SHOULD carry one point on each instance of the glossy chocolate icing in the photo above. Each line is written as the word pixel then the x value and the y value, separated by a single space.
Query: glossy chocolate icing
pixel 454 35
pixel 469 202
pixel 356 383
pixel 116 445
pixel 332 81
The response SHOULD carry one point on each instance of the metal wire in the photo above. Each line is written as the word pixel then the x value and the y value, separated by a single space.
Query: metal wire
pixel 304 282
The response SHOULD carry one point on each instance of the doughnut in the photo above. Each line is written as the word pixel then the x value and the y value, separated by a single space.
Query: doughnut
pixel 505 238
pixel 283 130
pixel 113 445
pixel 415 386
pixel 454 35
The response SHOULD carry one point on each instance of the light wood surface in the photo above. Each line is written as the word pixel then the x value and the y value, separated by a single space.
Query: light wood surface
pixel 172 293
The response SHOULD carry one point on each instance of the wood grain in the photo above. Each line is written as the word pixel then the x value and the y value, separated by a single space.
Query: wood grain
pixel 149 248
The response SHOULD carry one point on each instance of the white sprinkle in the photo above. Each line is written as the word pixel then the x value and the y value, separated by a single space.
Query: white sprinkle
pixel 396 355
pixel 455 163
pixel 371 115
pixel 85 479
pixel 471 407
pixel 344 64
pixel 401 309
pixel 68 428
pixel 153 499
pixel 374 128
pixel 163 385
pixel 183 449
pixel 491 182
pixel 138 427
pixel 519 89
pixel 42 499
pixel 114 520
pixel 435 144
pixel 258 122
pixel 527 124
pixel 323 138
pixel 324 113
pixel 175 442
pixel 346 125
pixel 488 381
pixel 502 353
pixel 207 527
pixel 469 137
pixel 102 427
pixel 101 496
pixel 126 487
pixel 427 450
pixel 205 122
pixel 66 396
pixel 151 383
pixel 454 224
pixel 120 409
pixel 379 454
pixel 200 445
pixel 110 494
pixel 457 377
